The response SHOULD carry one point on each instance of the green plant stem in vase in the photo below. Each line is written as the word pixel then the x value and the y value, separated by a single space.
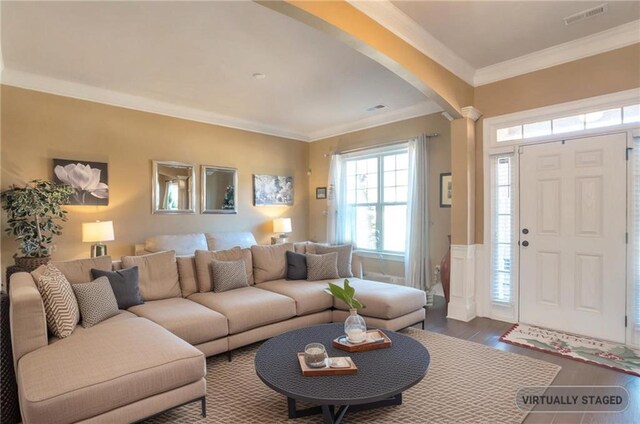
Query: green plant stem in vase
pixel 354 326
pixel 33 215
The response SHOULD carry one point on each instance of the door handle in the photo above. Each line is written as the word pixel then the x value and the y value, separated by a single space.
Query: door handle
pixel 525 231
pixel 525 243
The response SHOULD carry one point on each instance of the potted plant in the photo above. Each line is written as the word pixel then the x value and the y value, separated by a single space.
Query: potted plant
pixel 354 326
pixel 33 212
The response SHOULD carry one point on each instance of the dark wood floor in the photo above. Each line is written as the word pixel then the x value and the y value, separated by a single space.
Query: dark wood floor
pixel 487 332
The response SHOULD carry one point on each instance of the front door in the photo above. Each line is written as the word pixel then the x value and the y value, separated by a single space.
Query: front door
pixel 573 235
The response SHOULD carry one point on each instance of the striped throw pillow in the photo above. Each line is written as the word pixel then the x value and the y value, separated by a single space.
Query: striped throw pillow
pixel 60 305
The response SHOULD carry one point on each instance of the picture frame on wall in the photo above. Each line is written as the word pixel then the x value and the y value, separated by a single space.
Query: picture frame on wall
pixel 321 192
pixel 272 190
pixel 445 190
pixel 89 180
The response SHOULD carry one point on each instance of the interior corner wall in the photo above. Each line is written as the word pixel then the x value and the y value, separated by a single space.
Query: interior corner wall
pixel 439 162
pixel 605 73
pixel 37 127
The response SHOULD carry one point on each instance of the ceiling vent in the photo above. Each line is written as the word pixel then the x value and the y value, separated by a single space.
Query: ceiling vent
pixel 376 107
pixel 586 14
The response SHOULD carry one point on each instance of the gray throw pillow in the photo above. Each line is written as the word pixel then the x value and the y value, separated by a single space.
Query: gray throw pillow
pixel 344 257
pixel 228 275
pixel 96 301
pixel 296 266
pixel 322 267
pixel 125 285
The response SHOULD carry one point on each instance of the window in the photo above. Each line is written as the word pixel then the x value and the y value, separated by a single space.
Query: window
pixel 635 242
pixel 503 229
pixel 376 195
pixel 565 124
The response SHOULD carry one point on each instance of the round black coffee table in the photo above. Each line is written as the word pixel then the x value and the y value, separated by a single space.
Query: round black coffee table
pixel 382 375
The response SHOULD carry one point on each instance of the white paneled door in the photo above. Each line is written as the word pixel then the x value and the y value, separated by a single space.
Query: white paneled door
pixel 572 235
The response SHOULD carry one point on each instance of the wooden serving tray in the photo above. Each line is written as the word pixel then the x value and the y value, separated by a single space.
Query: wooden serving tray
pixel 308 371
pixel 342 343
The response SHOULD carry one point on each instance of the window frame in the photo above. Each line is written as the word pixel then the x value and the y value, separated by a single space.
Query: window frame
pixel 380 204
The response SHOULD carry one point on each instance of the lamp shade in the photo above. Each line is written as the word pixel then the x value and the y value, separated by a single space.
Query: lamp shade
pixel 97 231
pixel 282 225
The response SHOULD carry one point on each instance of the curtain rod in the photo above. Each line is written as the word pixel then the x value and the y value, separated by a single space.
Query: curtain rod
pixel 375 146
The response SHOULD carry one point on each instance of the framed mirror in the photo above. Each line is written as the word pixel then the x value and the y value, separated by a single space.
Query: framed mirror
pixel 219 189
pixel 173 187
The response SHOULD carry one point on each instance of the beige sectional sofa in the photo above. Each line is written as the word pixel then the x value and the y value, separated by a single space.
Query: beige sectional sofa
pixel 150 358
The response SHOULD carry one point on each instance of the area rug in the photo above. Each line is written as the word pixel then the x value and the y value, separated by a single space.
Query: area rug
pixel 610 355
pixel 466 383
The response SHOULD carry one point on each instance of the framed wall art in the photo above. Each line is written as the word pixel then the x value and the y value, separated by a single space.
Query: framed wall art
pixel 89 180
pixel 445 190
pixel 272 190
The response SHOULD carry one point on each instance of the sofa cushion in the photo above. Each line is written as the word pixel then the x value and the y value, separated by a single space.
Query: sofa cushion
pixel 68 381
pixel 125 285
pixel 79 270
pixel 188 320
pixel 187 275
pixel 182 244
pixel 122 315
pixel 322 267
pixel 205 257
pixel 270 262
pixel 309 296
pixel 60 305
pixel 228 275
pixel 158 275
pixel 344 257
pixel 383 300
pixel 248 307
pixel 296 266
pixel 96 301
pixel 229 239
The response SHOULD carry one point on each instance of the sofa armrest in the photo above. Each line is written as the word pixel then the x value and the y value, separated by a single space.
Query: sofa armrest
pixel 26 315
pixel 356 266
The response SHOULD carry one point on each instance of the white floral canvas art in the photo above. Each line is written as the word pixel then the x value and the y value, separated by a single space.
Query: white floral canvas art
pixel 90 180
pixel 272 190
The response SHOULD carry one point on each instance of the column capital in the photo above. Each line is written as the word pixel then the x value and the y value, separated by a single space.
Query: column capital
pixel 471 113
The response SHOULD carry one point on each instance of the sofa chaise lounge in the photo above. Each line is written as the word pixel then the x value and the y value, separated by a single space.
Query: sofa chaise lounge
pixel 151 357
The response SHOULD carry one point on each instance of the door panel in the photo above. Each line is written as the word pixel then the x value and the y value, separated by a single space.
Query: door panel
pixel 573 260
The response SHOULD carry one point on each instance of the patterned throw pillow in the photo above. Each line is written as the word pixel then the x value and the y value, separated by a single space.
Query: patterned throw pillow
pixel 228 275
pixel 96 301
pixel 344 257
pixel 322 267
pixel 60 305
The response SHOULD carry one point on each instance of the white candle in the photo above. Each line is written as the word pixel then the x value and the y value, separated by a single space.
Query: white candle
pixel 356 335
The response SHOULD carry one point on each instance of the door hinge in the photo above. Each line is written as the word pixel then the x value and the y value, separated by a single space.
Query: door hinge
pixel 625 320
pixel 626 238
pixel 627 152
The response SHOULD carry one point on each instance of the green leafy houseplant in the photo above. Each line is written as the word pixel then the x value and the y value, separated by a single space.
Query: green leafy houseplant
pixel 33 212
pixel 346 294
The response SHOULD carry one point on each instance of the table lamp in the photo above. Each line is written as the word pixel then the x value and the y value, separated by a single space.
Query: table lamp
pixel 282 226
pixel 97 232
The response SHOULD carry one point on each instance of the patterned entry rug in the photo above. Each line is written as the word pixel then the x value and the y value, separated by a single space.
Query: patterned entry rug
pixel 597 352
pixel 466 383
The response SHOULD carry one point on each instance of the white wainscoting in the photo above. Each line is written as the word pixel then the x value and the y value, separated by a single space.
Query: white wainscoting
pixel 462 300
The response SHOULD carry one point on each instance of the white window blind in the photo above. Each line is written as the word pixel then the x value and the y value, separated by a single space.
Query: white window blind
pixel 635 242
pixel 503 229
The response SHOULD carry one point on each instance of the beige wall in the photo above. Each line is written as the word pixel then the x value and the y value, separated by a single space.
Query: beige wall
pixel 37 127
pixel 440 161
pixel 609 72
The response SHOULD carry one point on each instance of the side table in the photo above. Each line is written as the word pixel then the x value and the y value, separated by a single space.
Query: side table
pixel 9 407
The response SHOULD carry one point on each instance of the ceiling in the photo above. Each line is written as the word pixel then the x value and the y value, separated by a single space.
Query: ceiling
pixel 484 33
pixel 197 59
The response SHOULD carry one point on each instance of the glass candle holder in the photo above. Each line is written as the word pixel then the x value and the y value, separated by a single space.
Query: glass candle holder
pixel 315 355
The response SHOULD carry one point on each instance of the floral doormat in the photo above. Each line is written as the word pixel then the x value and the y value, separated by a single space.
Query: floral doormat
pixel 611 355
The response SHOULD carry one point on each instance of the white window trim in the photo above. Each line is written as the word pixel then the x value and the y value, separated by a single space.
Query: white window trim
pixel 491 147
pixel 379 152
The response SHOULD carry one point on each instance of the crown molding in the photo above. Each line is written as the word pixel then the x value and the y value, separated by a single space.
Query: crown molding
pixel 601 42
pixel 390 117
pixel 471 113
pixel 99 95
pixel 113 98
pixel 396 21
